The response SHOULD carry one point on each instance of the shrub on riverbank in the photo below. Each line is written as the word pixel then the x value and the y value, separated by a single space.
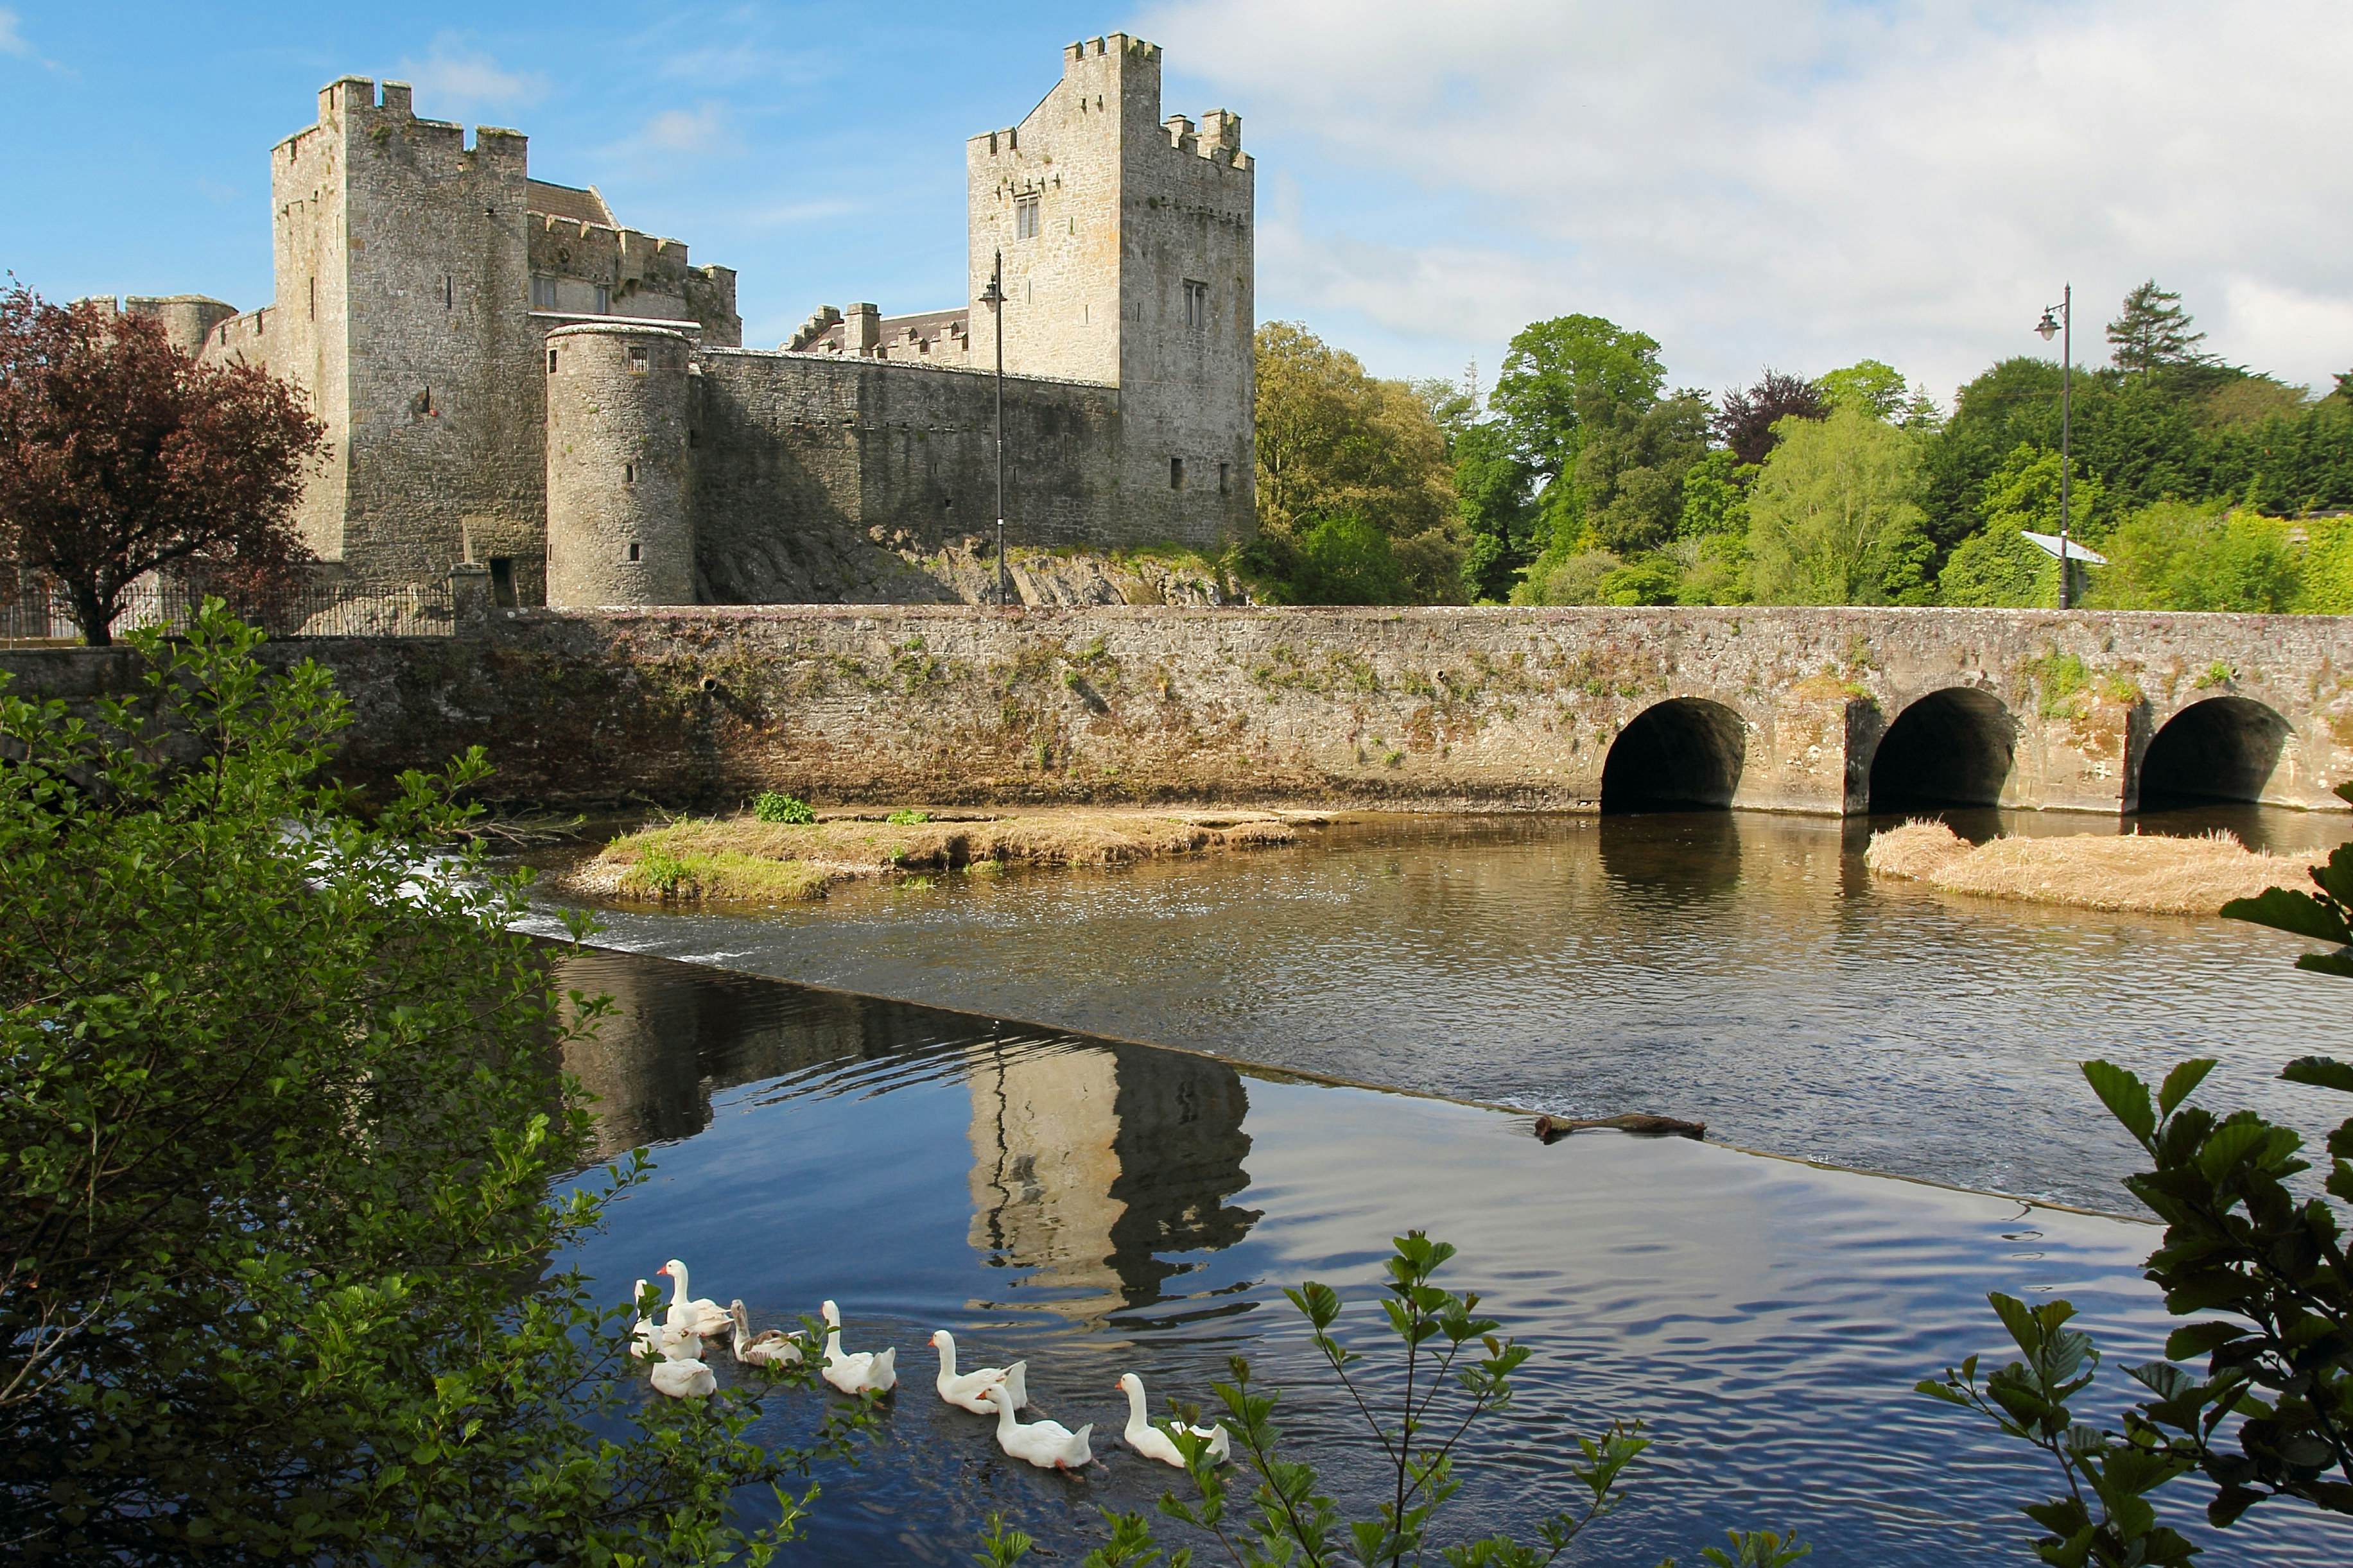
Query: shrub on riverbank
pixel 277 1129
pixel 749 859
pixel 2140 872
pixel 2253 1253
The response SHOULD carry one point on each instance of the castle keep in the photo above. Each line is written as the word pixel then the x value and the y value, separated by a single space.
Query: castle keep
pixel 511 377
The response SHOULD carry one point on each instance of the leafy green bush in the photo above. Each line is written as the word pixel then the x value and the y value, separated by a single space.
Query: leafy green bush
pixel 2271 1415
pixel 2178 556
pixel 908 818
pixel 1651 580
pixel 277 1137
pixel 788 809
pixel 1456 1368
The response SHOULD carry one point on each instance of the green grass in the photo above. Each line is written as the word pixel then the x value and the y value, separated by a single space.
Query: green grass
pixel 728 874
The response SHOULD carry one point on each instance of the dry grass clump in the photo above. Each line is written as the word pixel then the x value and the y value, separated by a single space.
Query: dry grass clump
pixel 1915 851
pixel 2093 871
pixel 737 859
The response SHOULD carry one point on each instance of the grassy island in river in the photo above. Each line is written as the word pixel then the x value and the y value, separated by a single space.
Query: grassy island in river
pixel 742 859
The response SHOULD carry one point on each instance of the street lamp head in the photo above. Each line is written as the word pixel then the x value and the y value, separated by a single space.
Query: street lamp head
pixel 2047 326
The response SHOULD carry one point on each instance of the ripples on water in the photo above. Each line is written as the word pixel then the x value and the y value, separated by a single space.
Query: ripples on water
pixel 1739 969
pixel 1100 1207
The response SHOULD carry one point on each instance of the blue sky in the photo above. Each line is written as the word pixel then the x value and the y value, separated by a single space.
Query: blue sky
pixel 1800 185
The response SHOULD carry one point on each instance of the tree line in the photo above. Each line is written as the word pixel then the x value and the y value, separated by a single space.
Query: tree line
pixel 1584 479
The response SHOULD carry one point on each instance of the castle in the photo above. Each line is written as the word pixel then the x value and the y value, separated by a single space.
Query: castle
pixel 511 377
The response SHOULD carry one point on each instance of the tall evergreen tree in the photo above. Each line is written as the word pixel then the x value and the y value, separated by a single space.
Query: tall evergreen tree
pixel 2153 332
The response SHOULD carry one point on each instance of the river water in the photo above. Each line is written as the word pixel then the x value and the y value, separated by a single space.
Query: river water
pixel 1099 1207
pixel 1739 969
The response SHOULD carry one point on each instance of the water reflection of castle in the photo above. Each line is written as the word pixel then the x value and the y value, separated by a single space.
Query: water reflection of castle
pixel 1094 1167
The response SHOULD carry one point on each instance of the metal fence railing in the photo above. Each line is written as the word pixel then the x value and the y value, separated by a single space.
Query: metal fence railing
pixel 35 610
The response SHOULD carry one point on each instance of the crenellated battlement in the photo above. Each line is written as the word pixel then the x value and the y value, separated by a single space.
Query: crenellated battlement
pixel 352 103
pixel 1110 46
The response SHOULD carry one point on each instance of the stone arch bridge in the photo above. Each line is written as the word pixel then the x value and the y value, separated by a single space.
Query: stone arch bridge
pixel 1837 712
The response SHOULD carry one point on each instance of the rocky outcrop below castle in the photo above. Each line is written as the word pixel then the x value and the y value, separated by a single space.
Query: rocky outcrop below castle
pixel 833 567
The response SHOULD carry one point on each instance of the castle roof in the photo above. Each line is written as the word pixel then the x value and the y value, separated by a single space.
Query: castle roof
pixel 581 206
pixel 827 332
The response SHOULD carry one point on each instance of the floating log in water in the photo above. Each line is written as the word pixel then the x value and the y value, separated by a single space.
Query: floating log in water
pixel 1551 1129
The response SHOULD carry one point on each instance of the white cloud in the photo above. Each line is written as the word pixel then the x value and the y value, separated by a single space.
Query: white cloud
pixel 702 130
pixel 456 81
pixel 1800 185
pixel 14 42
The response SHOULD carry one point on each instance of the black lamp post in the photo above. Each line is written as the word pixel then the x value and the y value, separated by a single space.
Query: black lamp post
pixel 993 298
pixel 2066 326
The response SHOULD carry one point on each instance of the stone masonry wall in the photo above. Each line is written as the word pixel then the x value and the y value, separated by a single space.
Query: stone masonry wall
pixel 1490 709
pixel 796 455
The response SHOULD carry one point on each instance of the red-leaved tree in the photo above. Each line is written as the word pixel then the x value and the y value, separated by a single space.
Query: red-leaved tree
pixel 119 455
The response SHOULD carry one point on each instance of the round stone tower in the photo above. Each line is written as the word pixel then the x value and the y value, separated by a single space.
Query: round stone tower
pixel 619 531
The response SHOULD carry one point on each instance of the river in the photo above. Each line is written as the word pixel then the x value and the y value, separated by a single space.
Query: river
pixel 1099 1207
pixel 1733 968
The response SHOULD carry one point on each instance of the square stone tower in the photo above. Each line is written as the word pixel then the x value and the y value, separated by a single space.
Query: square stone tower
pixel 417 279
pixel 401 291
pixel 1128 260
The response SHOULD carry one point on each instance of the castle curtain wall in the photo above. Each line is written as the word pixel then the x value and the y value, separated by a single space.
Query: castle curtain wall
pixel 800 450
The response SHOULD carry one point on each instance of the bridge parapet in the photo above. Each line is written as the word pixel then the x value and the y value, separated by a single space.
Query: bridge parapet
pixel 1824 710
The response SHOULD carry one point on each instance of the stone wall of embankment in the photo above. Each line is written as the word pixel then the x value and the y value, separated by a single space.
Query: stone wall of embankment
pixel 1806 709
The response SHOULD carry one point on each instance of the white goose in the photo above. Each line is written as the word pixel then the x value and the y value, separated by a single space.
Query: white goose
pixel 866 1372
pixel 964 1390
pixel 651 1338
pixel 1048 1445
pixel 704 1316
pixel 682 1376
pixel 770 1347
pixel 1152 1443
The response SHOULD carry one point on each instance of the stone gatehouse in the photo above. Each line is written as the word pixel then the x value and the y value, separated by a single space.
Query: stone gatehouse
pixel 511 376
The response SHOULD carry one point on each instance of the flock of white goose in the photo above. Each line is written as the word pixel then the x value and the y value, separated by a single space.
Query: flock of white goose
pixel 675 1344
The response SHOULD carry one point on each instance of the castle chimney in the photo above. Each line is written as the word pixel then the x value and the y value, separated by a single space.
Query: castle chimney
pixel 861 330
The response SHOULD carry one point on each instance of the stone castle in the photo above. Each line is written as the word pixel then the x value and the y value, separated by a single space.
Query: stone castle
pixel 511 377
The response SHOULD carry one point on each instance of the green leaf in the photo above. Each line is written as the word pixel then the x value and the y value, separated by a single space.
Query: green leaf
pixel 2320 1073
pixel 2181 1082
pixel 2125 1096
pixel 2194 1340
pixel 2285 908
pixel 2231 1144
pixel 2335 876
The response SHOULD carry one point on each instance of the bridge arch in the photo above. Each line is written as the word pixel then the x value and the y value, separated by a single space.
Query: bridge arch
pixel 1952 747
pixel 1684 753
pixel 2222 748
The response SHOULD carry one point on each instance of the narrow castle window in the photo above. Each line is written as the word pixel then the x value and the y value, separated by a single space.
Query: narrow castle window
pixel 634 551
pixel 448 292
pixel 543 292
pixel 1197 304
pixel 1175 473
pixel 314 299
pixel 1221 477
pixel 503 581
pixel 551 362
pixel 1025 217
pixel 639 360
pixel 604 299
pixel 629 473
